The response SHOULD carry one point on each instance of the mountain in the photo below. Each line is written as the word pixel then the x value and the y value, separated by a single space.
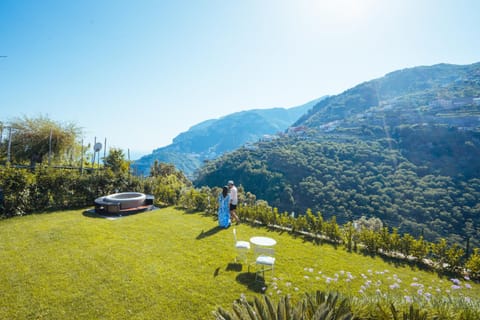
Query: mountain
pixel 403 148
pixel 212 138
pixel 414 95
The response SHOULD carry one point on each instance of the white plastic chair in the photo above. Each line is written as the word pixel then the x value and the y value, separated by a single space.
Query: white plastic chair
pixel 242 247
pixel 264 260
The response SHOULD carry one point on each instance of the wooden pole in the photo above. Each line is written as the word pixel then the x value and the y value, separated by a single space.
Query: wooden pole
pixel 94 143
pixel 50 149
pixel 81 163
pixel 128 152
pixel 9 144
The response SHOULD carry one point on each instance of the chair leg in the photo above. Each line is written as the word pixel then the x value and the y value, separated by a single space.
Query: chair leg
pixel 262 271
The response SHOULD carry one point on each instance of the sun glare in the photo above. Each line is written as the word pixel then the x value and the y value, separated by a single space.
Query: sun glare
pixel 344 11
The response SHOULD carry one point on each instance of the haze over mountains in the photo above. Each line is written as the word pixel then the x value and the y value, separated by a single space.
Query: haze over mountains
pixel 212 138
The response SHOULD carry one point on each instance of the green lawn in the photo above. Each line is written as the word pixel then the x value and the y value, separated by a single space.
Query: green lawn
pixel 168 264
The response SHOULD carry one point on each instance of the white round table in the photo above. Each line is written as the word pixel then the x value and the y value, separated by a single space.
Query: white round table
pixel 263 241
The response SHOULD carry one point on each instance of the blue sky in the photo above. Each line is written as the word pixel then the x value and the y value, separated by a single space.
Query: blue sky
pixel 140 72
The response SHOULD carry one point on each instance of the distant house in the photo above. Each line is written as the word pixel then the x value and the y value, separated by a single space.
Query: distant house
pixel 330 126
pixel 268 137
pixel 298 131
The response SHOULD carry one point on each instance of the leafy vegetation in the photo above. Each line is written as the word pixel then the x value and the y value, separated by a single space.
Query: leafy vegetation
pixel 171 264
pixel 354 179
pixel 402 148
pixel 387 169
pixel 317 306
pixel 34 140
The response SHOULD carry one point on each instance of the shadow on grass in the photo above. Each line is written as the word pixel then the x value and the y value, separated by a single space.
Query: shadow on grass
pixel 92 214
pixel 236 267
pixel 248 280
pixel 209 233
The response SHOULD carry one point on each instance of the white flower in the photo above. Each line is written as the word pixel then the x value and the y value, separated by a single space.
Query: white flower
pixel 394 286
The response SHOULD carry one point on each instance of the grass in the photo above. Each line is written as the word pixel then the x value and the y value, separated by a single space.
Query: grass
pixel 168 264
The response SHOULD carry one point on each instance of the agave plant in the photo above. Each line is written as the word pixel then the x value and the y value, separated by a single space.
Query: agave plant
pixel 318 306
pixel 412 313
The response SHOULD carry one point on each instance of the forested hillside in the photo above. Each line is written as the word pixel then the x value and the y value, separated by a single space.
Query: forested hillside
pixel 403 148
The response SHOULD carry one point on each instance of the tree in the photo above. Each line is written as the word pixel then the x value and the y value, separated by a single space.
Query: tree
pixel 439 250
pixel 34 139
pixel 116 161
pixel 454 257
pixel 349 235
pixel 473 263
pixel 420 248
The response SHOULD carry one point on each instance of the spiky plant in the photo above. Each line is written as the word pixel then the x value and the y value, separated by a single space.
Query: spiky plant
pixel 317 306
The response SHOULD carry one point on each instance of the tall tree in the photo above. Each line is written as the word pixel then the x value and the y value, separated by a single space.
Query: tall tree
pixel 115 160
pixel 34 139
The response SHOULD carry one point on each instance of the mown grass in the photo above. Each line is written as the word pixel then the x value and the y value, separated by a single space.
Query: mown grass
pixel 168 264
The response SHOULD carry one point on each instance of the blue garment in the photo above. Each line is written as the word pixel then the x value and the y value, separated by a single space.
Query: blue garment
pixel 224 211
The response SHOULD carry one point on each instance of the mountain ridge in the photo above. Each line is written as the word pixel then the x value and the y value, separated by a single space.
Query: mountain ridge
pixel 211 138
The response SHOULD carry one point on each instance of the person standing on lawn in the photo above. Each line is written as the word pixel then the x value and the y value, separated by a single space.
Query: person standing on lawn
pixel 233 201
pixel 224 208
